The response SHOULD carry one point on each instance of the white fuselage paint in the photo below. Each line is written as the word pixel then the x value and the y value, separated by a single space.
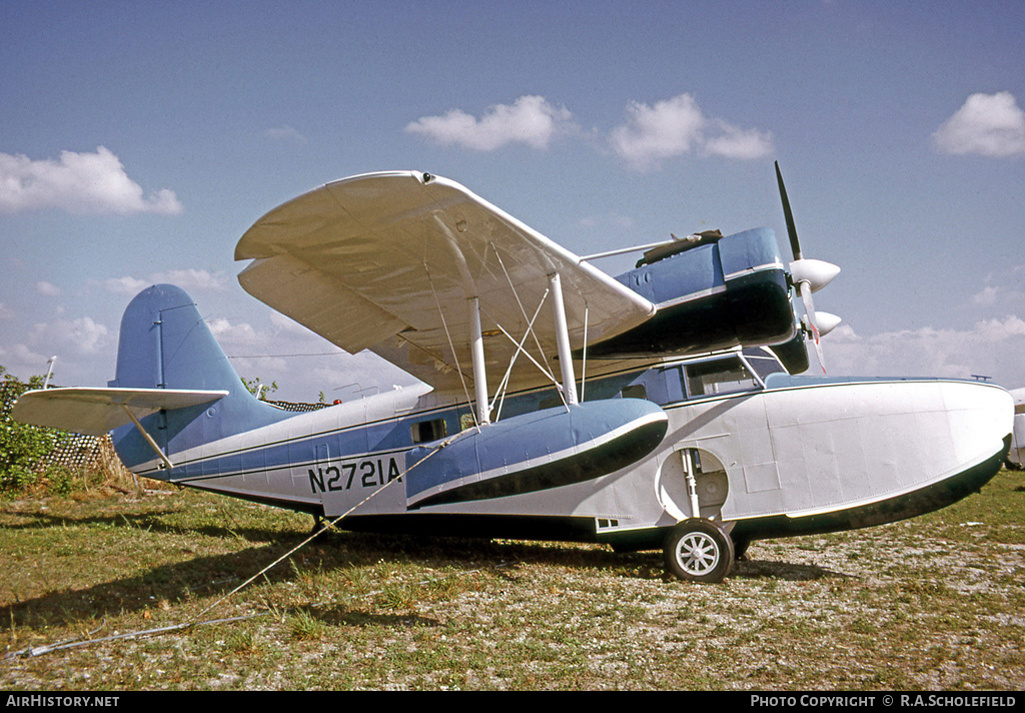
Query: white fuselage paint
pixel 796 451
pixel 1017 454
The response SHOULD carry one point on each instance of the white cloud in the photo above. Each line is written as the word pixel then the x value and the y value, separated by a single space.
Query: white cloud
pixel 678 126
pixel 1001 291
pixel 77 336
pixel 529 120
pixel 652 133
pixel 47 289
pixel 985 297
pixel 987 124
pixel 734 142
pixel 236 335
pixel 125 285
pixel 668 128
pixel 991 346
pixel 78 183
pixel 995 330
pixel 285 133
pixel 190 279
pixel 21 360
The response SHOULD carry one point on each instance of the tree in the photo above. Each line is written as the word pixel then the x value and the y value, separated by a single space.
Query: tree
pixel 258 389
pixel 22 447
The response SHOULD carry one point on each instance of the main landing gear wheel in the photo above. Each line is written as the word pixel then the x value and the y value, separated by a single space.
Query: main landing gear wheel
pixel 740 548
pixel 698 550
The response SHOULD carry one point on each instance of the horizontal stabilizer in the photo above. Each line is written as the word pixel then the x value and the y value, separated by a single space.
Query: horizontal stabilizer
pixel 97 411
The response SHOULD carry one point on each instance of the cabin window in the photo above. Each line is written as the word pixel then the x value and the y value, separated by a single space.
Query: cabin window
pixel 549 402
pixel 432 430
pixel 634 391
pixel 722 376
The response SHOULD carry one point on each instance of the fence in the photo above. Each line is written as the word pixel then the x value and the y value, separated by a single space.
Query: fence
pixel 78 452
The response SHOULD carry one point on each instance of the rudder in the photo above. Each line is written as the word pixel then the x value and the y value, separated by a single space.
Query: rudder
pixel 165 343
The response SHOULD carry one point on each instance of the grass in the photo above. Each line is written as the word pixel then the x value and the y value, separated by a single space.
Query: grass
pixel 927 604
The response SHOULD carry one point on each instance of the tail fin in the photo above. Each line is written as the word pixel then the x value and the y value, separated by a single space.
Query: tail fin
pixel 166 344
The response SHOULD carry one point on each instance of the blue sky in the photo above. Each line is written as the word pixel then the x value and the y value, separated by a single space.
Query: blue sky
pixel 140 140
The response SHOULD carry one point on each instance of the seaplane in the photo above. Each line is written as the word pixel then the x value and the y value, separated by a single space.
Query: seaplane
pixel 663 409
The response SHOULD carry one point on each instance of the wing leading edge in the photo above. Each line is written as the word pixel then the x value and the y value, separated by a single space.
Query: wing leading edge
pixel 390 261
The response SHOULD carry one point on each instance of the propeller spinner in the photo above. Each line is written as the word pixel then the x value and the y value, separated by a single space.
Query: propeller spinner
pixel 809 276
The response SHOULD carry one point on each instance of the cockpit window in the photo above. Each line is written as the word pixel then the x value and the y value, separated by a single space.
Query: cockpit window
pixel 763 362
pixel 722 376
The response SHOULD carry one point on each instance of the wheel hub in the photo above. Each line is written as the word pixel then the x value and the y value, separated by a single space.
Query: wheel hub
pixel 698 553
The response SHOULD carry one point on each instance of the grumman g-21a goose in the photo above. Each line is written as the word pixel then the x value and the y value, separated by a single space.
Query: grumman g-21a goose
pixel 655 410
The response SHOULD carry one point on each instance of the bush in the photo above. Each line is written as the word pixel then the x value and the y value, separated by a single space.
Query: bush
pixel 22 447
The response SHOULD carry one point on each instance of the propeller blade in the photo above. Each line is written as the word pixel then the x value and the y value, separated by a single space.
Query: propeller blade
pixel 811 322
pixel 795 244
pixel 809 276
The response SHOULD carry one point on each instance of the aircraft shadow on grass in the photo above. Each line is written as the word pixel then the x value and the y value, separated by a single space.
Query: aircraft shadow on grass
pixel 216 575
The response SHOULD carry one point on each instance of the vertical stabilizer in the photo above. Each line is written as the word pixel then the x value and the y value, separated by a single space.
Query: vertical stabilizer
pixel 166 344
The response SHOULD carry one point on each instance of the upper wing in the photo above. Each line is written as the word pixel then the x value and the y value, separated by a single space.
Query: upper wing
pixel 96 411
pixel 388 261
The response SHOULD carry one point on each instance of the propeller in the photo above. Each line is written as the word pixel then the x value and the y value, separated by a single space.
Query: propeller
pixel 808 275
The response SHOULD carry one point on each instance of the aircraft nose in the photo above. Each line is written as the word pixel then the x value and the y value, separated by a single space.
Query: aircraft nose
pixel 877 451
pixel 981 417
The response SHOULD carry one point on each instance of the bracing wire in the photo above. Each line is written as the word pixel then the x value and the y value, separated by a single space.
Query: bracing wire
pixel 519 303
pixel 197 619
pixel 451 345
pixel 503 386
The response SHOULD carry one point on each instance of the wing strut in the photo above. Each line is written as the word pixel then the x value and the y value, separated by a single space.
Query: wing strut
pixel 569 385
pixel 480 376
pixel 149 438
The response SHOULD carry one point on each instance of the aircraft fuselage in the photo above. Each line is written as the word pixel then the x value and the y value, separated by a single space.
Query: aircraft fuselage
pixel 766 456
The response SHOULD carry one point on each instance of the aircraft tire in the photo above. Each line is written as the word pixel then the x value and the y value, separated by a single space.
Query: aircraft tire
pixel 740 548
pixel 698 550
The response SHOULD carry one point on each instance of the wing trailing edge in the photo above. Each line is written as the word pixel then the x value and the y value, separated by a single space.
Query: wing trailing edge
pixel 97 411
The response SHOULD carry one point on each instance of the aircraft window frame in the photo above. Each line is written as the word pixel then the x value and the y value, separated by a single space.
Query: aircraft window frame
pixel 427 430
pixel 770 363
pixel 748 380
pixel 634 391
